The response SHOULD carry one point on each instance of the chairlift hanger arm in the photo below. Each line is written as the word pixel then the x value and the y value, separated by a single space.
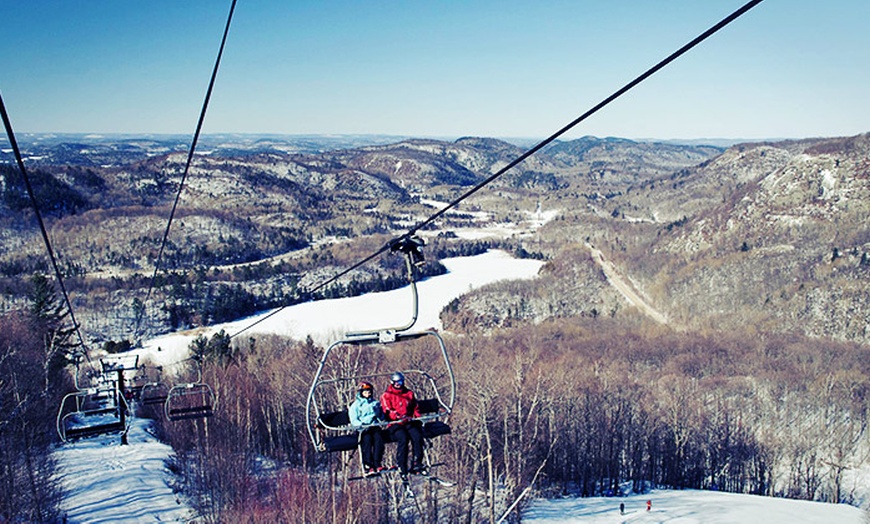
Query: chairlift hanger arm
pixel 411 248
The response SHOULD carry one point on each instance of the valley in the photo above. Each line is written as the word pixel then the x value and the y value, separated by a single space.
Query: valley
pixel 683 222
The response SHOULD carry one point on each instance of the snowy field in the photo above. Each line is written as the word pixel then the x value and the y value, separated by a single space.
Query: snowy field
pixel 107 483
pixel 328 320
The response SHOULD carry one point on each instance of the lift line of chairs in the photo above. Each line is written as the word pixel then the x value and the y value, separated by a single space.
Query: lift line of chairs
pixel 98 409
pixel 103 408
pixel 185 401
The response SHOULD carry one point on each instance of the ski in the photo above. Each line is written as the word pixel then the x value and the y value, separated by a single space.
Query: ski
pixel 432 478
pixel 406 483
pixel 363 477
pixel 441 482
pixel 409 493
pixel 373 475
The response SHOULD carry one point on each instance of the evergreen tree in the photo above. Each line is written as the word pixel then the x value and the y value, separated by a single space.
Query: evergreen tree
pixel 48 318
pixel 218 349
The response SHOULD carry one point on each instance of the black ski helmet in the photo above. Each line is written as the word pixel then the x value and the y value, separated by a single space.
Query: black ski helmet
pixel 397 379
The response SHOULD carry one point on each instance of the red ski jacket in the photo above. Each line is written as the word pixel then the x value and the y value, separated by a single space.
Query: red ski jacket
pixel 399 403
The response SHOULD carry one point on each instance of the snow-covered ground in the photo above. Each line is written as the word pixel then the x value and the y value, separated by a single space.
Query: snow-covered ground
pixel 691 507
pixel 485 227
pixel 107 483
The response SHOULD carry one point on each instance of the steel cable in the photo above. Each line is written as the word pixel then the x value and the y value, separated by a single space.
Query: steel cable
pixel 186 169
pixel 624 89
pixel 18 159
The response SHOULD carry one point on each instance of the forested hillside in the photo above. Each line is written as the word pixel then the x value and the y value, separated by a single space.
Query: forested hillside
pixel 250 226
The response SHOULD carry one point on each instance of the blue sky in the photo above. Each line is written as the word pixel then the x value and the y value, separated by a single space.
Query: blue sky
pixel 788 68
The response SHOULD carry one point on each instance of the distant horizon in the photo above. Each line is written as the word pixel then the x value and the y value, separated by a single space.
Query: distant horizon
pixel 516 140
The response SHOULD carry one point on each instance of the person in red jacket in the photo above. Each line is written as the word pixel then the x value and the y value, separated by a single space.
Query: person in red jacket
pixel 400 408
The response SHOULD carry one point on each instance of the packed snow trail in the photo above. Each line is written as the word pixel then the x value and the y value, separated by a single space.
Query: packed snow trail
pixel 105 482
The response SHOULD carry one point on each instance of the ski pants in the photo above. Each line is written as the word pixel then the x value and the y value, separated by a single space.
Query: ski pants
pixel 401 434
pixel 371 445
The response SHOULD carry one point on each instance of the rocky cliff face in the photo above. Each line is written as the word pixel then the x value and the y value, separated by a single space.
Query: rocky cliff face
pixel 773 237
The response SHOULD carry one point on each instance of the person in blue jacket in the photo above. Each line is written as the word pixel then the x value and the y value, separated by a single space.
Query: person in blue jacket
pixel 365 411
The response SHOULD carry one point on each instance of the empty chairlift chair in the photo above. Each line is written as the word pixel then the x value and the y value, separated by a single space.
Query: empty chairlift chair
pixel 154 393
pixel 91 412
pixel 190 401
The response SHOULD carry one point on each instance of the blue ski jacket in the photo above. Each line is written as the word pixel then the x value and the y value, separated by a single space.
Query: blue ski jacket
pixel 365 411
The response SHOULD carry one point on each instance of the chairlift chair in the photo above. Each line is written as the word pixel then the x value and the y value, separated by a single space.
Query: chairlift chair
pixel 328 421
pixel 136 385
pixel 153 393
pixel 91 411
pixel 80 416
pixel 147 388
pixel 191 400
pixel 332 431
pixel 99 400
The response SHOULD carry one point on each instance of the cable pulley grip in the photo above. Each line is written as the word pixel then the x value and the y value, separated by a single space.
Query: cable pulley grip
pixel 410 246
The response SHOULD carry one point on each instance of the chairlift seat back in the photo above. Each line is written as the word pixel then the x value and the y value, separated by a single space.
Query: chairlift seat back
pixel 429 406
pixel 335 419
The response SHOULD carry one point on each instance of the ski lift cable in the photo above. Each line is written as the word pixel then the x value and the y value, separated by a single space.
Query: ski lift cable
pixel 17 152
pixel 392 245
pixel 624 89
pixel 187 165
pixel 171 364
pixel 316 288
